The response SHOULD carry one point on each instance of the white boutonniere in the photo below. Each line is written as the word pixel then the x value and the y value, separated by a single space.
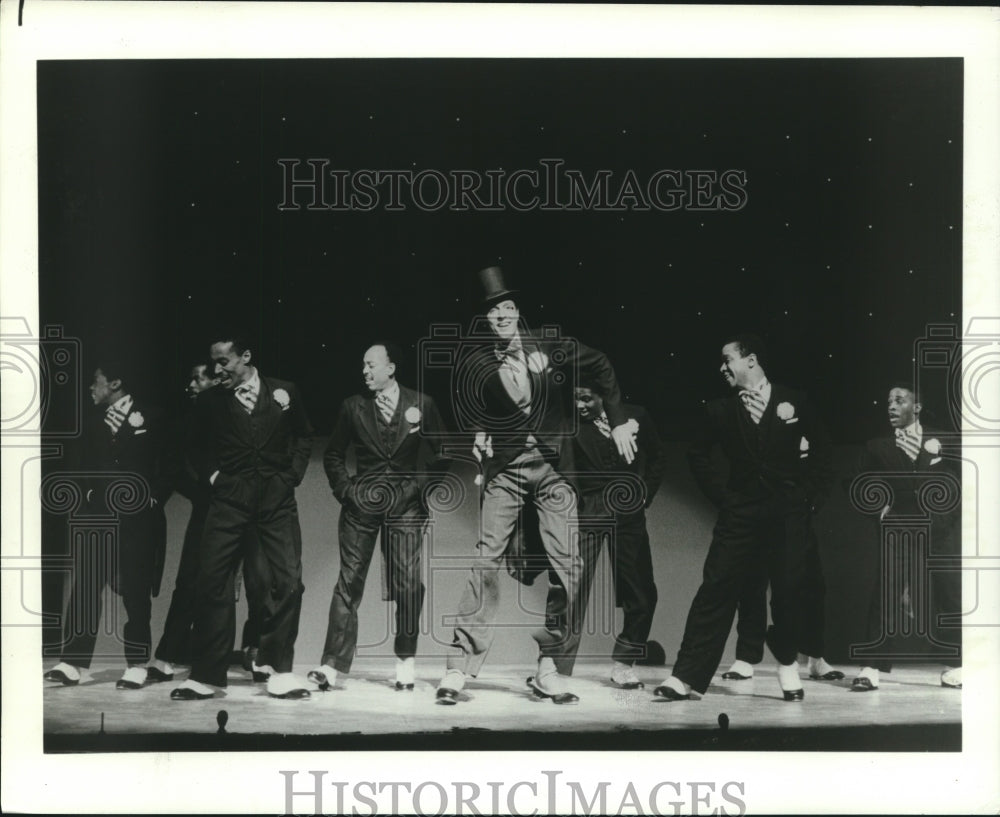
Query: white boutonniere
pixel 413 416
pixel 282 399
pixel 538 362
pixel 803 448
pixel 136 420
pixel 932 446
pixel 786 411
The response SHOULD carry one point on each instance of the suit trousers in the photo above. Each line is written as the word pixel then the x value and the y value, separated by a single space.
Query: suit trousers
pixel 528 477
pixel 402 542
pixel 751 618
pixel 175 644
pixel 263 508
pixel 631 578
pixel 123 561
pixel 773 531
pixel 945 599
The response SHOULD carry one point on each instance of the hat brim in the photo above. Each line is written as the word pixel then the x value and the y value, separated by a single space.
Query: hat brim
pixel 500 297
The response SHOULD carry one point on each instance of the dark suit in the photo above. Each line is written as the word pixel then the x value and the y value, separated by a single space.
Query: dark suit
pixel 385 497
pixel 765 506
pixel 907 480
pixel 175 642
pixel 132 562
pixel 261 457
pixel 613 501
pixel 532 450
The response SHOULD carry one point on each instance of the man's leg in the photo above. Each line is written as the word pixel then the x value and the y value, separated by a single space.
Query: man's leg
pixel 357 535
pixel 175 643
pixel 502 500
pixel 635 589
pixel 732 557
pixel 403 556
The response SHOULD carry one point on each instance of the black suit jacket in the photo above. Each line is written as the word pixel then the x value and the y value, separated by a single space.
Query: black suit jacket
pixel 594 455
pixel 139 447
pixel 275 439
pixel 767 460
pixel 415 449
pixel 555 366
pixel 906 478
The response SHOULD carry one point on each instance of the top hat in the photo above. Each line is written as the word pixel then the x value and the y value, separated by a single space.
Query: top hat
pixel 494 285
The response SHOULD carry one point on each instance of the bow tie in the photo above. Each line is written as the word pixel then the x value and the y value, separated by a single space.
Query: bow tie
pixel 511 350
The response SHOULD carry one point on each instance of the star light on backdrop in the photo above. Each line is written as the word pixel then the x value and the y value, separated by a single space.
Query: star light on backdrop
pixel 159 213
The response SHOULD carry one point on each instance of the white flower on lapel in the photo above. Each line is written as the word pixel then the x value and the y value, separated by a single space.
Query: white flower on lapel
pixel 538 362
pixel 136 420
pixel 932 446
pixel 282 399
pixel 785 411
pixel 413 415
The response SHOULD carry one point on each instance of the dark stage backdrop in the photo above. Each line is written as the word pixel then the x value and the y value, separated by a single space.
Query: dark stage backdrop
pixel 160 187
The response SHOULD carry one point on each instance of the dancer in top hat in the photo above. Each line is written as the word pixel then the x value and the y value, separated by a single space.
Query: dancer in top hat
pixel 390 429
pixel 521 387
pixel 251 445
pixel 780 469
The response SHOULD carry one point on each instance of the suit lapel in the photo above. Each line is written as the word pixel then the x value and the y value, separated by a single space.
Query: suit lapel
pixel 268 409
pixel 741 418
pixel 237 416
pixel 767 418
pixel 590 440
pixel 368 423
pixel 407 399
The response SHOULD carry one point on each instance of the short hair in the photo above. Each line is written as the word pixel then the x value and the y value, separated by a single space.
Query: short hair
pixel 749 344
pixel 114 369
pixel 241 342
pixel 207 365
pixel 392 352
pixel 907 385
pixel 592 384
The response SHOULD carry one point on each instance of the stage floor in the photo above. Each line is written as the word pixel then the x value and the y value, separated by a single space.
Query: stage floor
pixel 910 712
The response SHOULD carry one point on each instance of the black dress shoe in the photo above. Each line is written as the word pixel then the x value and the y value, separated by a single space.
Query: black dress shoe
pixel 446 696
pixel 292 695
pixel 259 677
pixel 629 685
pixel 861 684
pixel 248 658
pixel 558 698
pixel 188 694
pixel 61 677
pixel 655 656
pixel 121 683
pixel 832 675
pixel 794 694
pixel 403 687
pixel 317 678
pixel 153 675
pixel 735 676
pixel 670 694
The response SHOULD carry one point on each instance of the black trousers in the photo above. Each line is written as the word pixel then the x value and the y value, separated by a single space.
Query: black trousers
pixel 123 562
pixel 751 619
pixel 401 541
pixel 631 580
pixel 175 643
pixel 748 533
pixel 890 619
pixel 264 509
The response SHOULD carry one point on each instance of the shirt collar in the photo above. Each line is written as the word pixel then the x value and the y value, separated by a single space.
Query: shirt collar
pixel 913 430
pixel 252 384
pixel 391 393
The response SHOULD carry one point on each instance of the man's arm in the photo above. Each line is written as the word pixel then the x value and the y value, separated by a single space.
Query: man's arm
pixel 652 448
pixel 336 451
pixel 303 430
pixel 700 459
pixel 820 473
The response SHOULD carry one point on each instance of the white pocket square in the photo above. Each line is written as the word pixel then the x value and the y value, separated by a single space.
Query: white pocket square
pixel 935 461
pixel 139 431
pixel 413 430
pixel 791 420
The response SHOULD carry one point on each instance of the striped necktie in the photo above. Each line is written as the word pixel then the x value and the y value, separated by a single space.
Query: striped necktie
pixel 247 397
pixel 385 407
pixel 909 442
pixel 116 414
pixel 754 402
pixel 603 425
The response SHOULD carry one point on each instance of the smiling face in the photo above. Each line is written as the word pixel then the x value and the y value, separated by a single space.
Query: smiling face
pixel 200 381
pixel 740 372
pixel 588 405
pixel 231 367
pixel 903 407
pixel 503 319
pixel 378 369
